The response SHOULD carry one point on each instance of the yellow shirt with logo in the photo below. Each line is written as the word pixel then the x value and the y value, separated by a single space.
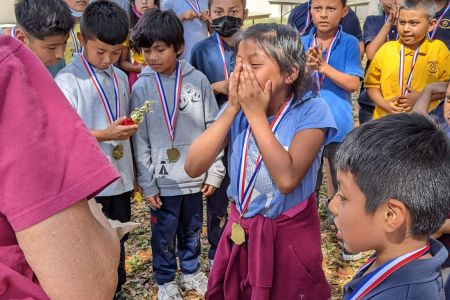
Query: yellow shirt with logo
pixel 70 48
pixel 136 57
pixel 432 65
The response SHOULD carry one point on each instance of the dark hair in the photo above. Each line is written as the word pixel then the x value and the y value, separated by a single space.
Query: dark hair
pixel 133 17
pixel 106 21
pixel 428 6
pixel 344 2
pixel 158 26
pixel 42 18
pixel 244 3
pixel 404 157
pixel 283 45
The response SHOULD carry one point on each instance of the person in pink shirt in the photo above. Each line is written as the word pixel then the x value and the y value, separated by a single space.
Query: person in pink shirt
pixel 51 244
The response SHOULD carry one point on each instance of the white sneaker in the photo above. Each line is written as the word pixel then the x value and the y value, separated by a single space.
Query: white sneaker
pixel 197 281
pixel 169 291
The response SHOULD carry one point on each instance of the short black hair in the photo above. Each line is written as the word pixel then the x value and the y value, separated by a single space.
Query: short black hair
pixel 106 21
pixel 43 18
pixel 244 3
pixel 404 157
pixel 428 6
pixel 158 26
pixel 344 2
pixel 133 18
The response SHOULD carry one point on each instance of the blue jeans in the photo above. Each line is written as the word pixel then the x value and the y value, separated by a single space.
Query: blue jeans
pixel 180 217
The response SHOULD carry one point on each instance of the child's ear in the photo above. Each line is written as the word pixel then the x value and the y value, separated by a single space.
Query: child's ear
pixel 291 76
pixel 180 50
pixel 22 36
pixel 433 24
pixel 345 11
pixel 395 215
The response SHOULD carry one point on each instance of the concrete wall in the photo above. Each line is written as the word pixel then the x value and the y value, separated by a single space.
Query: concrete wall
pixel 7 11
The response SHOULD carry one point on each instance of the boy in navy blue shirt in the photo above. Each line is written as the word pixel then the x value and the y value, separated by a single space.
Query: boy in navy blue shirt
pixel 379 207
pixel 377 30
pixel 214 57
pixel 442 27
pixel 300 18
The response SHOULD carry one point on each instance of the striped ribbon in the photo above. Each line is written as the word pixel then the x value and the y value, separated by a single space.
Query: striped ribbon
pixel 320 78
pixel 433 33
pixel 403 90
pixel 308 19
pixel 76 47
pixel 219 43
pixel 195 6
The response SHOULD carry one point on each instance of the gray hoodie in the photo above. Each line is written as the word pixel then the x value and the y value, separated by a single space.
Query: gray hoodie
pixel 197 109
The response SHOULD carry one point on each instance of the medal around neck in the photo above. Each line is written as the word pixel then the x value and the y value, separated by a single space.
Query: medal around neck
pixel 137 115
pixel 237 234
pixel 173 154
pixel 117 152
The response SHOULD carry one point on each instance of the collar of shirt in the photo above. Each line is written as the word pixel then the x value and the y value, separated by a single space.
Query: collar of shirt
pixel 423 48
pixel 338 36
pixel 77 61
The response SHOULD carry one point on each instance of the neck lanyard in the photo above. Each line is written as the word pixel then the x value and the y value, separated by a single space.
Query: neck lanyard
pixel 76 47
pixel 403 90
pixel 219 43
pixel 101 92
pixel 170 118
pixel 195 6
pixel 320 78
pixel 376 277
pixel 433 33
pixel 245 192
pixel 308 18
pixel 13 32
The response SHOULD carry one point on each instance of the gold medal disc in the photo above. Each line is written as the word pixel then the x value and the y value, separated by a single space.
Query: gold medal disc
pixel 173 155
pixel 117 152
pixel 237 234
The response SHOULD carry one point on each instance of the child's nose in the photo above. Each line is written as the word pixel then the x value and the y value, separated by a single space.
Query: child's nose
pixel 333 206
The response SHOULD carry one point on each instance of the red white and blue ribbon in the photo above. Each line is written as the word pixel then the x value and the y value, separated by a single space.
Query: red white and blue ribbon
pixel 101 92
pixel 170 118
pixel 195 6
pixel 436 26
pixel 219 43
pixel 403 90
pixel 13 32
pixel 319 78
pixel 245 191
pixel 308 19
pixel 376 277
pixel 76 47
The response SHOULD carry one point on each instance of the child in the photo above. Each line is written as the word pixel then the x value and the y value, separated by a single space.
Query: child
pixel 99 93
pixel 275 135
pixel 401 69
pixel 379 207
pixel 335 60
pixel 43 26
pixel 133 68
pixel 300 18
pixel 186 106
pixel 193 14
pixel 377 30
pixel 77 8
pixel 441 30
pixel 226 18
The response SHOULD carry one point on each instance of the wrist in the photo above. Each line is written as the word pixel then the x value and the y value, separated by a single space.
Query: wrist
pixel 323 68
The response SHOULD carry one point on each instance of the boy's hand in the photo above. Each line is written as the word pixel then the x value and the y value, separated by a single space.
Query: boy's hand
pixel 393 15
pixel 118 132
pixel 391 107
pixel 406 102
pixel 188 15
pixel 220 87
pixel 233 97
pixel 253 99
pixel 208 190
pixel 154 202
pixel 204 16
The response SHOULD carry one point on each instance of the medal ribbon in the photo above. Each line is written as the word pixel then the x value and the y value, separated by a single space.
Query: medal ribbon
pixel 245 193
pixel 195 6
pixel 13 32
pixel 101 91
pixel 433 33
pixel 76 48
pixel 320 78
pixel 308 19
pixel 222 54
pixel 403 90
pixel 170 119
pixel 376 277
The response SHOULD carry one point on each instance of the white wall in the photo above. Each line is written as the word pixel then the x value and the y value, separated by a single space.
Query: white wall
pixel 7 11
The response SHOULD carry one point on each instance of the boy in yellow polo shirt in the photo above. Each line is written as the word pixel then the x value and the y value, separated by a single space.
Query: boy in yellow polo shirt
pixel 77 8
pixel 401 69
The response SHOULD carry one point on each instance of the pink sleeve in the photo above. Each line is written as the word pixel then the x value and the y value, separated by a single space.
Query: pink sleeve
pixel 49 160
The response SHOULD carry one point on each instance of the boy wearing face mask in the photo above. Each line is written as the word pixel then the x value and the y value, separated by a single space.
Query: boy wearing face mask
pixel 77 8
pixel 214 57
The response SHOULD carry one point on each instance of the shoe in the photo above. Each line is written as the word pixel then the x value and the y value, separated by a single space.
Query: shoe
pixel 347 256
pixel 197 281
pixel 169 291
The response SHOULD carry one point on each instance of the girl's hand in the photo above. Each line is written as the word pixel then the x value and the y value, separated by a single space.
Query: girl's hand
pixel 233 97
pixel 253 99
pixel 208 190
pixel 154 202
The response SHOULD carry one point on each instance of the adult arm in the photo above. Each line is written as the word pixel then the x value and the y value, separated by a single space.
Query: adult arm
pixel 73 254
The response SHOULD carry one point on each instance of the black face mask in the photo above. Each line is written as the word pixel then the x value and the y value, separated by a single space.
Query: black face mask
pixel 227 26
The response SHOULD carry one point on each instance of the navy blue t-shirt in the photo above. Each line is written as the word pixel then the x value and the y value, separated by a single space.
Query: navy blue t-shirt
pixel 443 31
pixel 372 26
pixel 350 23
pixel 206 58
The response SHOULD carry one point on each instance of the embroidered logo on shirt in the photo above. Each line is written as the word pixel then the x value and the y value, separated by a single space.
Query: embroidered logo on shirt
pixel 444 24
pixel 432 66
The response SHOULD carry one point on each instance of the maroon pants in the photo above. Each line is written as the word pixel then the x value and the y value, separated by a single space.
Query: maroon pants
pixel 281 259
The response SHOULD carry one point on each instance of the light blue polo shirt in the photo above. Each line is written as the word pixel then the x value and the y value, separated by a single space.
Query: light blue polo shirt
pixel 345 57
pixel 195 30
pixel 266 198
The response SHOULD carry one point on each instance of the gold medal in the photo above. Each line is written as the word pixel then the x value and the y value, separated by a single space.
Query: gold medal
pixel 237 234
pixel 117 152
pixel 173 155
